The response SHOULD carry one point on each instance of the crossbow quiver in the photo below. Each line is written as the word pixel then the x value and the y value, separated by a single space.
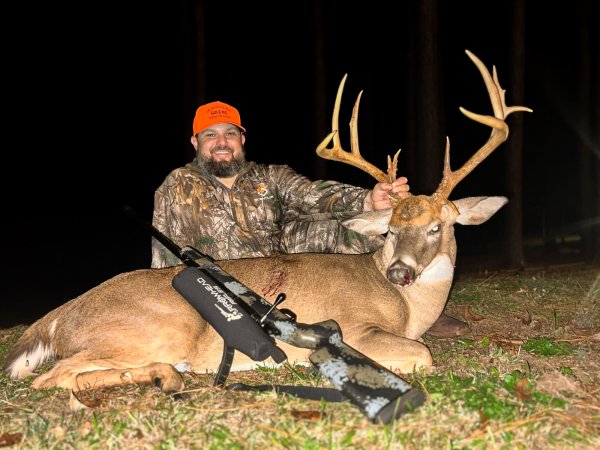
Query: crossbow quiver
pixel 239 330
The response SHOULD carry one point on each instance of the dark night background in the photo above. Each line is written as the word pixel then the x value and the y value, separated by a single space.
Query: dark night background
pixel 99 102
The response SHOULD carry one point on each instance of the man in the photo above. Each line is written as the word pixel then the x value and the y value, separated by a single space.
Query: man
pixel 230 208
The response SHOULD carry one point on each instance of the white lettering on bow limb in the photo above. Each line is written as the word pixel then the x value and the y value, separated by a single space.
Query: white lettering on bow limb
pixel 231 313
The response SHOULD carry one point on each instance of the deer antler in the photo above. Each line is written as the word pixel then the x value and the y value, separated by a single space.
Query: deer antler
pixel 498 136
pixel 354 158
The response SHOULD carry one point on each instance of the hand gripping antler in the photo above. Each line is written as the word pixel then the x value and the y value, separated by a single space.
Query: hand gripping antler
pixel 498 136
pixel 354 158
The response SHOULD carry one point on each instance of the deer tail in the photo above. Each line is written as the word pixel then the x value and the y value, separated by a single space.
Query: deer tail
pixel 32 349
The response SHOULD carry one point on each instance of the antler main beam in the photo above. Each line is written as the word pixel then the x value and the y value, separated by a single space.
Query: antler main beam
pixel 497 123
pixel 354 158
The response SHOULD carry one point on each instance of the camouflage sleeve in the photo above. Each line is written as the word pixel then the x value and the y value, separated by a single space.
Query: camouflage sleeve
pixel 312 214
pixel 303 196
pixel 164 220
pixel 309 234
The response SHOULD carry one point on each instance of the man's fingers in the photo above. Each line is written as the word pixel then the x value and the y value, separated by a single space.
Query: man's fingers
pixel 382 188
pixel 399 181
pixel 401 188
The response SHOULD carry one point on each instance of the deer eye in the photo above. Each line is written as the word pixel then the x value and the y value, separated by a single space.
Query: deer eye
pixel 434 230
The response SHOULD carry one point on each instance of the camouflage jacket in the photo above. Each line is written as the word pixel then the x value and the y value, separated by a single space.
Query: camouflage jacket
pixel 269 209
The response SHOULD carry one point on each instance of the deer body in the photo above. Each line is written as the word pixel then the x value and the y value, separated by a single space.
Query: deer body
pixel 136 327
pixel 137 319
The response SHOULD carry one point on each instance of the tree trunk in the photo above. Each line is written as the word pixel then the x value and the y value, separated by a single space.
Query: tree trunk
pixel 320 100
pixel 514 251
pixel 429 109
pixel 584 136
pixel 195 75
pixel 411 154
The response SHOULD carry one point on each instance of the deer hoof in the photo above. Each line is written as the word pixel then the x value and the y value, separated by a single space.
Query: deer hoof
pixel 447 327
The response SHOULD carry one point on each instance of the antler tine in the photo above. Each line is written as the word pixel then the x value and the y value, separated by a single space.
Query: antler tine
pixel 498 135
pixel 392 167
pixel 337 153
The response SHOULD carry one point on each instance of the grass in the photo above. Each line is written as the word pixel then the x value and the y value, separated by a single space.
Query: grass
pixel 526 377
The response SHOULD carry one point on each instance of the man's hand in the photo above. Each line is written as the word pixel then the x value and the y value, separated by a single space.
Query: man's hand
pixel 378 197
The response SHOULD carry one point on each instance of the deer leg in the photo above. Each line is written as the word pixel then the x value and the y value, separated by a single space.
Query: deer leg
pixel 447 327
pixel 162 375
pixel 81 372
pixel 394 352
pixel 391 351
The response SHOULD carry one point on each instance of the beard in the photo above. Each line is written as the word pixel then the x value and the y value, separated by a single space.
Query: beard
pixel 223 169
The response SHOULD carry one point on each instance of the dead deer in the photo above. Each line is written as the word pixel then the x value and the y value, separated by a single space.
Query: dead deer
pixel 136 328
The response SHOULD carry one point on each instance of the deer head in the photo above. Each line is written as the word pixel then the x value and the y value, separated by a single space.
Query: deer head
pixel 420 227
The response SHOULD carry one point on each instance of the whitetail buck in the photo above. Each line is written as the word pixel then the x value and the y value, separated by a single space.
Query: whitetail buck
pixel 136 328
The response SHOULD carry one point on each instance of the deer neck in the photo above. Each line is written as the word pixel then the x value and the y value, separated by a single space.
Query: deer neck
pixel 427 296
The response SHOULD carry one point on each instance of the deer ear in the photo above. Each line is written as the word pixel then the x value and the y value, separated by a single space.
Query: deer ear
pixel 477 210
pixel 370 223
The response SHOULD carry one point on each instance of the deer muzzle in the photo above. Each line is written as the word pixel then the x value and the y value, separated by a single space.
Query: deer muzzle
pixel 401 274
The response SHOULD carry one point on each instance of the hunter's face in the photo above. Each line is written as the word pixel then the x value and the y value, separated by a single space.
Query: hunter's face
pixel 220 149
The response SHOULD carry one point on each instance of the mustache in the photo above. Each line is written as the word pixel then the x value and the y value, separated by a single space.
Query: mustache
pixel 221 148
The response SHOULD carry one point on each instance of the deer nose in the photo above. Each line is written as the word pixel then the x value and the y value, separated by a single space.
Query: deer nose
pixel 401 274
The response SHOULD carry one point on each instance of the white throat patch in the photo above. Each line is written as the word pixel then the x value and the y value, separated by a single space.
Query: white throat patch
pixel 441 268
